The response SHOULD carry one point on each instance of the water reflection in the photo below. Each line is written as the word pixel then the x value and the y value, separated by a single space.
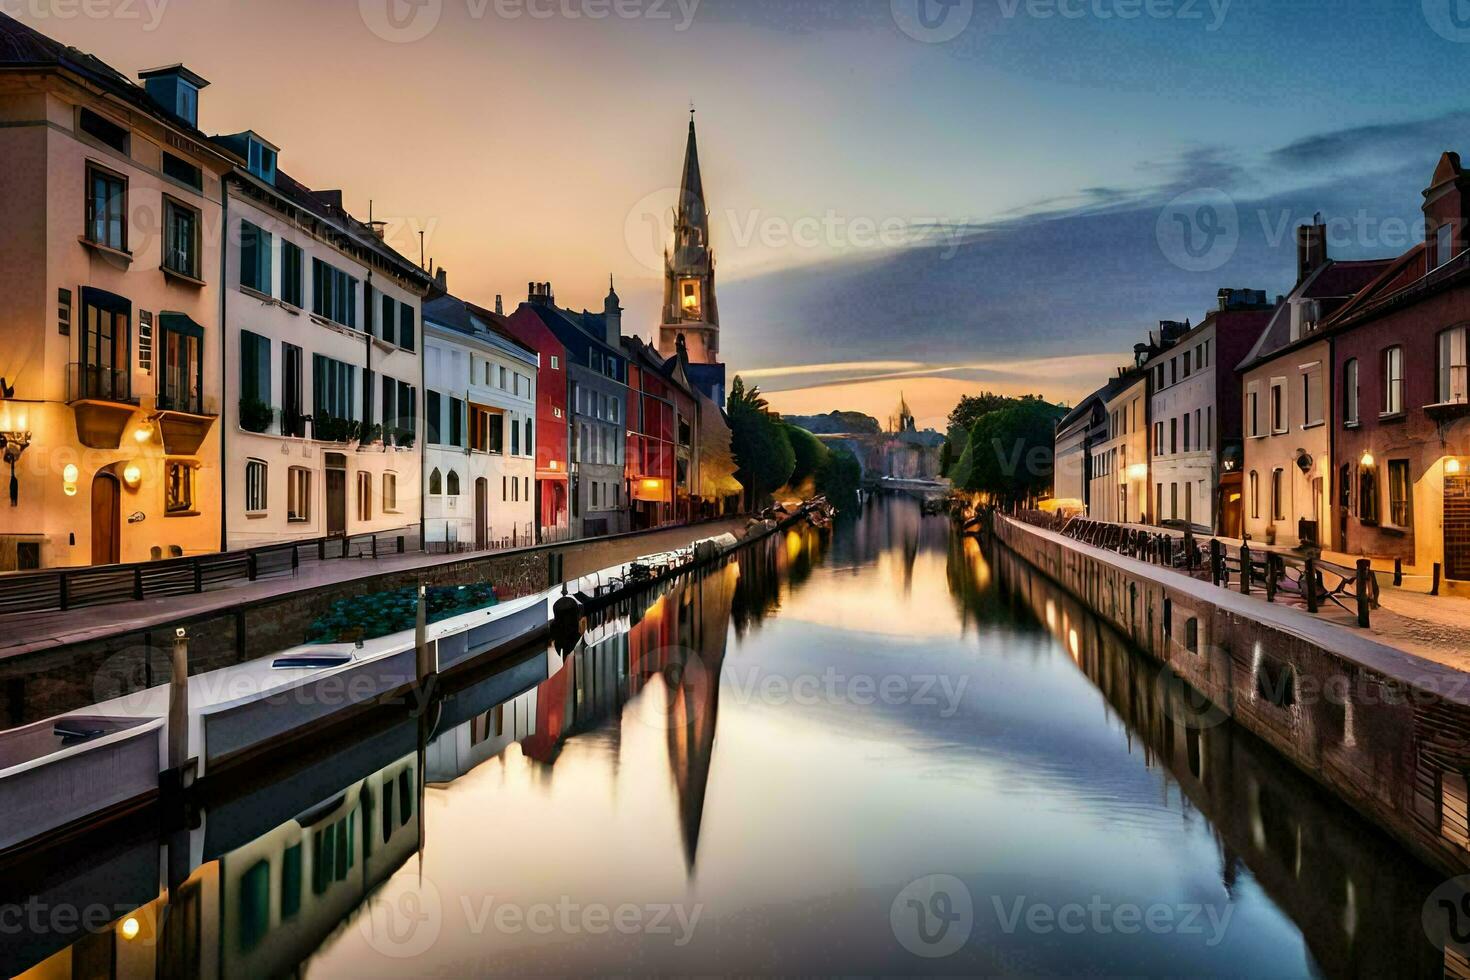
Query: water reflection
pixel 741 772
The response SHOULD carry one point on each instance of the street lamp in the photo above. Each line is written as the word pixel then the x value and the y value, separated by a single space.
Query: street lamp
pixel 15 438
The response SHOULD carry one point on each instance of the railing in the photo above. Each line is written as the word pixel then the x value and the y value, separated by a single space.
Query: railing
pixel 190 401
pixel 449 542
pixel 92 382
pixel 1312 582
pixel 61 589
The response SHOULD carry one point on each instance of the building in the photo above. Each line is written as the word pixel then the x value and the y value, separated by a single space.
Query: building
pixel 690 309
pixel 1196 428
pixel 1072 459
pixel 479 428
pixel 323 374
pixel 661 426
pixel 553 469
pixel 110 269
pixel 1399 356
pixel 597 400
pixel 1280 491
pixel 1119 452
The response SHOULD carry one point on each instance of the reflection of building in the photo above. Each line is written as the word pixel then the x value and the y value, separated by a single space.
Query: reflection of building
pixel 691 312
pixel 110 270
pixel 479 428
pixel 457 752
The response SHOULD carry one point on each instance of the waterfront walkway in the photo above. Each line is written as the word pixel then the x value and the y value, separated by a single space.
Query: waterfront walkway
pixel 23 633
pixel 1436 628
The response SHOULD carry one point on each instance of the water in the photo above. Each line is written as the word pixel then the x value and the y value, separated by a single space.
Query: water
pixel 873 750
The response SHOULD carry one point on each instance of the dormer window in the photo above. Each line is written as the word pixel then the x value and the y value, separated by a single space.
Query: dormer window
pixel 262 161
pixel 175 89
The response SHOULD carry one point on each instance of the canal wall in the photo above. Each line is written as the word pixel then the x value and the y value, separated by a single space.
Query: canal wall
pixel 129 658
pixel 1384 731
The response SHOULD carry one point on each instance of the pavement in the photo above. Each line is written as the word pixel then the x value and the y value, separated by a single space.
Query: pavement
pixel 23 633
pixel 1436 628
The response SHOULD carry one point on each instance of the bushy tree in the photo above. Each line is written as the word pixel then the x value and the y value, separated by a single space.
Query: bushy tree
pixel 839 477
pixel 809 452
pixel 1011 451
pixel 762 449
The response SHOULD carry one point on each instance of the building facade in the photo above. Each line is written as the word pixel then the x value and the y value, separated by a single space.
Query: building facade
pixel 1072 459
pixel 1285 480
pixel 322 324
pixel 1196 428
pixel 1403 418
pixel 479 429
pixel 553 468
pixel 1119 491
pixel 110 266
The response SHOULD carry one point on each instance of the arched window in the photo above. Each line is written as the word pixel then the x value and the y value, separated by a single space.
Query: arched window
pixel 1278 494
pixel 1350 391
pixel 390 492
pixel 453 484
pixel 1255 492
pixel 436 483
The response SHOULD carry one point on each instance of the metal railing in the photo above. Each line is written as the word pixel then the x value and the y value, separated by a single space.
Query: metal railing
pixel 1278 577
pixel 60 589
pixel 93 382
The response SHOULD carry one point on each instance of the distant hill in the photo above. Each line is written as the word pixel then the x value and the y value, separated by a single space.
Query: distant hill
pixel 852 423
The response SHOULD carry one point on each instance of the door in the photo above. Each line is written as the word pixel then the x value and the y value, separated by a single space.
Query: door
pixel 482 513
pixel 1457 527
pixel 336 500
pixel 106 519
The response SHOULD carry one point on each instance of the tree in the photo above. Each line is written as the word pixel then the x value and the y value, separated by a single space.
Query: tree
pixel 762 449
pixel 809 452
pixel 839 477
pixel 972 408
pixel 1012 451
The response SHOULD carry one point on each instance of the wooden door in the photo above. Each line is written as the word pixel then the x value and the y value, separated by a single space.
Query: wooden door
pixel 106 519
pixel 336 502
pixel 482 513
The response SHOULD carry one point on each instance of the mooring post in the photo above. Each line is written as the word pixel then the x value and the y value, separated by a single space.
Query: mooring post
pixel 1217 561
pixel 1365 572
pixel 1245 569
pixel 178 702
pixel 1398 572
pixel 424 663
pixel 1188 549
pixel 1309 583
pixel 1437 571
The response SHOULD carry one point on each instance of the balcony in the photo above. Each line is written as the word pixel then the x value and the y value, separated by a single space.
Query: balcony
pixel 183 420
pixel 1454 400
pixel 103 401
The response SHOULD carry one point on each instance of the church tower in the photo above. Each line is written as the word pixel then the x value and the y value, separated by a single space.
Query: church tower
pixel 690 310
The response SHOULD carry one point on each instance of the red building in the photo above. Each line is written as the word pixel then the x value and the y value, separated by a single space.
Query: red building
pixel 660 457
pixel 552 444
pixel 1402 399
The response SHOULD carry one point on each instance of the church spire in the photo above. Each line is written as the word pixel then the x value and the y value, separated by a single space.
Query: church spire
pixel 693 214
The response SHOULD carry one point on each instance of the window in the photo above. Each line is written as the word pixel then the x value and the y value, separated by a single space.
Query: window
pixel 1312 397
pixel 452 487
pixel 1393 381
pixel 255 486
pixel 1278 495
pixel 530 446
pixel 291 275
pixel 333 386
pixel 405 327
pixel 1255 495
pixel 1350 391
pixel 255 258
pixel 456 422
pixel 1400 494
pixel 515 437
pixel 390 493
pixel 1253 410
pixel 1278 406
pixel 1173 436
pixel 261 161
pixel 181 170
pixel 434 416
pixel 1186 433
pixel 293 405
pixel 1453 386
pixel 180 239
pixel 388 327
pixel 181 368
pixel 107 198
pixel 364 496
pixel 103 130
pixel 178 483
pixel 555 363
pixel 298 495
pixel 255 381
pixel 334 294
pixel 436 483
pixel 106 349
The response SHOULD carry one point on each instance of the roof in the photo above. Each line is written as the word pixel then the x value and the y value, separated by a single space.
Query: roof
pixel 23 47
pixel 1083 407
pixel 576 330
pixel 458 315
pixel 1333 284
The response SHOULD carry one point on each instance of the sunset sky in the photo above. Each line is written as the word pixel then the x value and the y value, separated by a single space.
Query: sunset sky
pixel 894 208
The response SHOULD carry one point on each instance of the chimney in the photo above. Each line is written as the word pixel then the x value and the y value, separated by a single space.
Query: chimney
pixel 442 278
pixel 612 312
pixel 332 199
pixel 175 90
pixel 499 305
pixel 1311 248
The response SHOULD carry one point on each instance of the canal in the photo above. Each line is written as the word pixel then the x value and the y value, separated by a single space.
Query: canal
pixel 871 749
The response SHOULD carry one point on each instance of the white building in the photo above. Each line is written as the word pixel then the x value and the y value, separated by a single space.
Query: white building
pixel 480 410
pixel 322 365
pixel 1072 466
pixel 1119 451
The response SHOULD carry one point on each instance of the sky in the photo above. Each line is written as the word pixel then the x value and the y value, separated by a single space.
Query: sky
pixel 925 196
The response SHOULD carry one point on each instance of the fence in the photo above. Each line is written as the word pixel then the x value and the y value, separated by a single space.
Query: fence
pixel 60 589
pixel 1311 582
